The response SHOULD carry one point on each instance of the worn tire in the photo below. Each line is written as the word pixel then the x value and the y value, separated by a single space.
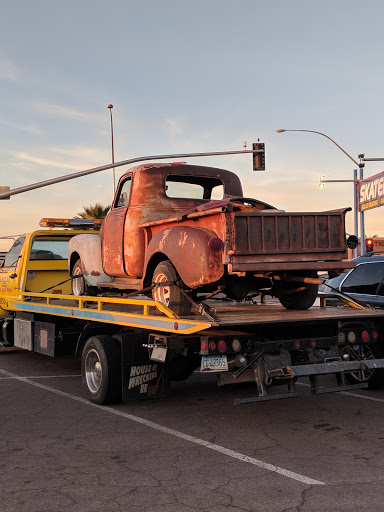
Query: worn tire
pixel 303 299
pixel 182 367
pixel 101 370
pixel 170 295
pixel 79 286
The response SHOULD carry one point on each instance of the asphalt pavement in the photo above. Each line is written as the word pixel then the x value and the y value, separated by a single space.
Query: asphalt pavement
pixel 192 451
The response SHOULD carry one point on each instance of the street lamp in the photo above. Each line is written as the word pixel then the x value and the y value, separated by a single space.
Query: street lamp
pixel 110 106
pixel 355 181
pixel 282 130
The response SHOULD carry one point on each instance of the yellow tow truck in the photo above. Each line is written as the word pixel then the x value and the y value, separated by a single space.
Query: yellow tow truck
pixel 132 346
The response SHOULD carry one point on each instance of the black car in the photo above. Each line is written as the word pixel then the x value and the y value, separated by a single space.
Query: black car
pixel 365 282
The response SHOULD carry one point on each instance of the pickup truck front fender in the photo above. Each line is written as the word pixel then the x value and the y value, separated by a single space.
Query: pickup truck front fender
pixel 88 249
pixel 187 248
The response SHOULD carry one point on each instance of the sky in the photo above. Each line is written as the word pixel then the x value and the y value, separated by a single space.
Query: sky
pixel 188 77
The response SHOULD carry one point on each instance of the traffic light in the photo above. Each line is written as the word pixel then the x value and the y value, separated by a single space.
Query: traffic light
pixel 368 245
pixel 259 158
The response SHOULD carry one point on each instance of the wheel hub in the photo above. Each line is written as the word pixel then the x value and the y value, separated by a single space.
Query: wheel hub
pixel 93 371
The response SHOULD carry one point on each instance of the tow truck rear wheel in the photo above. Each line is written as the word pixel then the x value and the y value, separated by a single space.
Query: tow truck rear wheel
pixel 170 295
pixel 101 370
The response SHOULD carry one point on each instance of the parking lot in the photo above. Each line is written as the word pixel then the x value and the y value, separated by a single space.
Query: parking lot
pixel 194 450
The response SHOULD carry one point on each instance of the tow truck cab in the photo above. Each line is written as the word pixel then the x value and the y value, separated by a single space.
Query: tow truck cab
pixel 38 261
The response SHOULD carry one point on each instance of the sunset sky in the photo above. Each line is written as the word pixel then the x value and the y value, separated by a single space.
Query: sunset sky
pixel 188 77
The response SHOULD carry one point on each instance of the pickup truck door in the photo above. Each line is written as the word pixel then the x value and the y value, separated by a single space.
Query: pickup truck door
pixel 112 235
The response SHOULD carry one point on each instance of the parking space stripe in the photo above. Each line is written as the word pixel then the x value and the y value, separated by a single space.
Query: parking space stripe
pixel 211 446
pixel 348 393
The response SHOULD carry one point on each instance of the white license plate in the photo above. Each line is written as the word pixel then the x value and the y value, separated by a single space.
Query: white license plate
pixel 214 364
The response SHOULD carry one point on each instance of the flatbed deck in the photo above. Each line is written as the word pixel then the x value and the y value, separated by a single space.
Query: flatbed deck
pixel 229 314
pixel 145 313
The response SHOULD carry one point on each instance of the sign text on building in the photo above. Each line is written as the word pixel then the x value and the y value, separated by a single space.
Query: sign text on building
pixel 371 192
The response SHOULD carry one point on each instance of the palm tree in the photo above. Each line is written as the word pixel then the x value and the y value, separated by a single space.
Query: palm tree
pixel 96 211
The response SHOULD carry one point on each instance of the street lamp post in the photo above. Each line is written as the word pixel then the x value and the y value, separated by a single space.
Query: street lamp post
pixel 110 106
pixel 355 182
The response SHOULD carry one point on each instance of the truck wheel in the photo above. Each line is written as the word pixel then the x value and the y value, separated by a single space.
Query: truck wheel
pixel 170 295
pixel 101 370
pixel 374 378
pixel 78 285
pixel 182 367
pixel 303 299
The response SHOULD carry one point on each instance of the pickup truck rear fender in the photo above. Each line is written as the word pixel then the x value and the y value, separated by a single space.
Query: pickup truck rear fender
pixel 88 249
pixel 187 248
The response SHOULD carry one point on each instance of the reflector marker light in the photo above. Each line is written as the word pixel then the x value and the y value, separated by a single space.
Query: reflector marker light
pixel 212 345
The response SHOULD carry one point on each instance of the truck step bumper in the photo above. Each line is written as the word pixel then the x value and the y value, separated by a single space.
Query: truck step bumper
pixel 337 368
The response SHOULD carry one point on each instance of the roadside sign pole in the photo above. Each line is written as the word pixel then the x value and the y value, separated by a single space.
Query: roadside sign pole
pixel 362 227
pixel 356 214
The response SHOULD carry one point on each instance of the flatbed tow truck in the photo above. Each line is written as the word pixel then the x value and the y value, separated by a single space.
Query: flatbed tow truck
pixel 132 346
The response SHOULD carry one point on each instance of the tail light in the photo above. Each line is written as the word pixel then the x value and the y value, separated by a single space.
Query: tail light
pixel 212 345
pixel 215 245
pixel 375 335
pixel 236 345
pixel 222 346
pixel 365 336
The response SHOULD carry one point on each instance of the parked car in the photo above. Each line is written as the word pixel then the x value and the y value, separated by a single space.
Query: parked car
pixel 365 282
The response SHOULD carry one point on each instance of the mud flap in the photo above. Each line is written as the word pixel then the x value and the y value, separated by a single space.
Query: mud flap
pixel 142 378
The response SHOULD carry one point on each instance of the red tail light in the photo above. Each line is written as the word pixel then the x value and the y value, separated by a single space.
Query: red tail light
pixel 365 336
pixel 215 245
pixel 222 346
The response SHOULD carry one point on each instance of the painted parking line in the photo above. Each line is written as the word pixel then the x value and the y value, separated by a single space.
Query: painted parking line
pixel 348 393
pixel 211 446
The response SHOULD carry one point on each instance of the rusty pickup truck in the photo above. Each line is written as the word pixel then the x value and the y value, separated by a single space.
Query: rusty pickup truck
pixel 186 230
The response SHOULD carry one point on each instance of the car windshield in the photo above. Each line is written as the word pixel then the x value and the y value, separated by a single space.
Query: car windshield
pixel 365 278
pixel 335 282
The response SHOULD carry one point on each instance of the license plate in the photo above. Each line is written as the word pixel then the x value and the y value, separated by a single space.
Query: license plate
pixel 214 364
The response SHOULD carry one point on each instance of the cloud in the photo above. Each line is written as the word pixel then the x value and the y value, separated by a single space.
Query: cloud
pixel 61 111
pixel 76 158
pixel 7 70
pixel 32 129
pixel 173 126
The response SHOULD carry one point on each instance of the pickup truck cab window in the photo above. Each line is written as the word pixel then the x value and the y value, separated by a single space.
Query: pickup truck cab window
pixel 124 192
pixel 193 187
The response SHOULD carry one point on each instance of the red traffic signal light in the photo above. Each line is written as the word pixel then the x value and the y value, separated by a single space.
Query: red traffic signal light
pixel 368 245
